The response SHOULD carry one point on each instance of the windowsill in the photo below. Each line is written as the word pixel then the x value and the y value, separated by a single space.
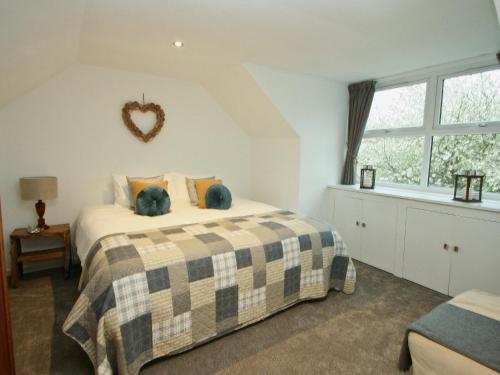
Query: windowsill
pixel 422 196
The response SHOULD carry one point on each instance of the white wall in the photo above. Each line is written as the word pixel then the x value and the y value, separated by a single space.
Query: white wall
pixel 317 110
pixel 71 127
pixel 276 171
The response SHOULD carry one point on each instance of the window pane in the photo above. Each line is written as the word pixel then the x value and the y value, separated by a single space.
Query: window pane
pixel 397 159
pixel 453 153
pixel 401 107
pixel 471 98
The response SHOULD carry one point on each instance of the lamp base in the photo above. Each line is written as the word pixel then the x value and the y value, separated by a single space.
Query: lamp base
pixel 40 210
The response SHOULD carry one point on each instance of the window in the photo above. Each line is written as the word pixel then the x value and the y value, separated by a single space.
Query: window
pixel 401 107
pixel 421 133
pixel 471 98
pixel 453 153
pixel 397 159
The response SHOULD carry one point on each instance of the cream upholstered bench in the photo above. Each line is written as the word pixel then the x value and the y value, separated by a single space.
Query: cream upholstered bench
pixel 429 357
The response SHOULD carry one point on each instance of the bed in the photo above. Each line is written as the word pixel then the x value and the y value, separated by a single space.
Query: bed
pixel 152 287
pixel 431 357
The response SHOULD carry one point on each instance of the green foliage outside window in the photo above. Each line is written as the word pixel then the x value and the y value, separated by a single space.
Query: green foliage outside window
pixel 454 153
pixel 397 159
pixel 401 107
pixel 471 98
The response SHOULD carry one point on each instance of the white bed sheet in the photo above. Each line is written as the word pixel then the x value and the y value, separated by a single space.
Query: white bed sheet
pixel 99 221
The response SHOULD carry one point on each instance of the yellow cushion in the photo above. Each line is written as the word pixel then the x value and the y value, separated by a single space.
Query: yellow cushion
pixel 137 186
pixel 202 186
pixel 151 180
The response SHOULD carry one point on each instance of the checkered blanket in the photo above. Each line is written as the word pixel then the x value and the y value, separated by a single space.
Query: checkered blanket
pixel 157 292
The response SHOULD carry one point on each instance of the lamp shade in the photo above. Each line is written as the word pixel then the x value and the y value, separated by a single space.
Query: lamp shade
pixel 38 188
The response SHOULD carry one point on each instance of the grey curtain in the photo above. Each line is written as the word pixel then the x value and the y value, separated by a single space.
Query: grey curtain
pixel 360 102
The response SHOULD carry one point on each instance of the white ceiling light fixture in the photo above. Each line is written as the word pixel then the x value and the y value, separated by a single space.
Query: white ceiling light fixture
pixel 178 44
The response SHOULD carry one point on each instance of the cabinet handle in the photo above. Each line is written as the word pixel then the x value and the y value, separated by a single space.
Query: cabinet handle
pixel 445 246
pixel 363 225
pixel 357 223
pixel 455 249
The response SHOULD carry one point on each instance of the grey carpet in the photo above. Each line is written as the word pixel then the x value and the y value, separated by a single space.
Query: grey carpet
pixel 342 334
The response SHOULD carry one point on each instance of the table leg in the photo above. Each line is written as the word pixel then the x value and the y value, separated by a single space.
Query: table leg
pixel 14 270
pixel 67 255
pixel 20 264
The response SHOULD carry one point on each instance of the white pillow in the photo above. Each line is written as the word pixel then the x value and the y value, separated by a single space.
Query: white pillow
pixel 121 190
pixel 179 191
pixel 191 188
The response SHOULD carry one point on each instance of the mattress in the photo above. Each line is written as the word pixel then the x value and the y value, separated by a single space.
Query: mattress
pixel 430 358
pixel 96 222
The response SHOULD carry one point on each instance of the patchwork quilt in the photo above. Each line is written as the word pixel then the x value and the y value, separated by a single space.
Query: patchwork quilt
pixel 157 292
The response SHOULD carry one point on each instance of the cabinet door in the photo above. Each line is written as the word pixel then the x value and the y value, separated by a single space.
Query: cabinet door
pixel 426 262
pixel 378 233
pixel 476 265
pixel 347 222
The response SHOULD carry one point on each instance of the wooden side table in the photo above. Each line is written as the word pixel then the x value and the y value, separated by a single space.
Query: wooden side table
pixel 18 257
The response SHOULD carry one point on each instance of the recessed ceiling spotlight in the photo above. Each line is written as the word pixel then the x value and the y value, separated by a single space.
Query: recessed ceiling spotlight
pixel 178 44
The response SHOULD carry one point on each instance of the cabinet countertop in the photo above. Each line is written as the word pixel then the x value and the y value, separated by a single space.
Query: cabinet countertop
pixel 422 196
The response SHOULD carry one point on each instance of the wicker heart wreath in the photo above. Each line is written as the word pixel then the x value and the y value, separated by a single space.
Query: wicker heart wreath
pixel 129 107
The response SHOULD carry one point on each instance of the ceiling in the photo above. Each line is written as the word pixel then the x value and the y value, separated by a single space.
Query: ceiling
pixel 37 40
pixel 344 40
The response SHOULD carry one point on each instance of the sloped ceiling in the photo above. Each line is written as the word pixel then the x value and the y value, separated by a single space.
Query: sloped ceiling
pixel 37 40
pixel 343 40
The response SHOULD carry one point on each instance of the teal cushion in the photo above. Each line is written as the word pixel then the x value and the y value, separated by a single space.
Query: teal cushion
pixel 152 201
pixel 219 197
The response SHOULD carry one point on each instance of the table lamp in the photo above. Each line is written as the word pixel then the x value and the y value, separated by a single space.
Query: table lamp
pixel 37 189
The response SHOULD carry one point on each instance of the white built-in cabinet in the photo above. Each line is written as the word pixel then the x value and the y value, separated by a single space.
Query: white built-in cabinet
pixel 451 253
pixel 476 260
pixel 368 226
pixel 426 249
pixel 445 248
pixel 346 220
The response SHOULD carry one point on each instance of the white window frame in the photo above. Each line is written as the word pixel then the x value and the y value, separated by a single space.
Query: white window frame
pixel 432 113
